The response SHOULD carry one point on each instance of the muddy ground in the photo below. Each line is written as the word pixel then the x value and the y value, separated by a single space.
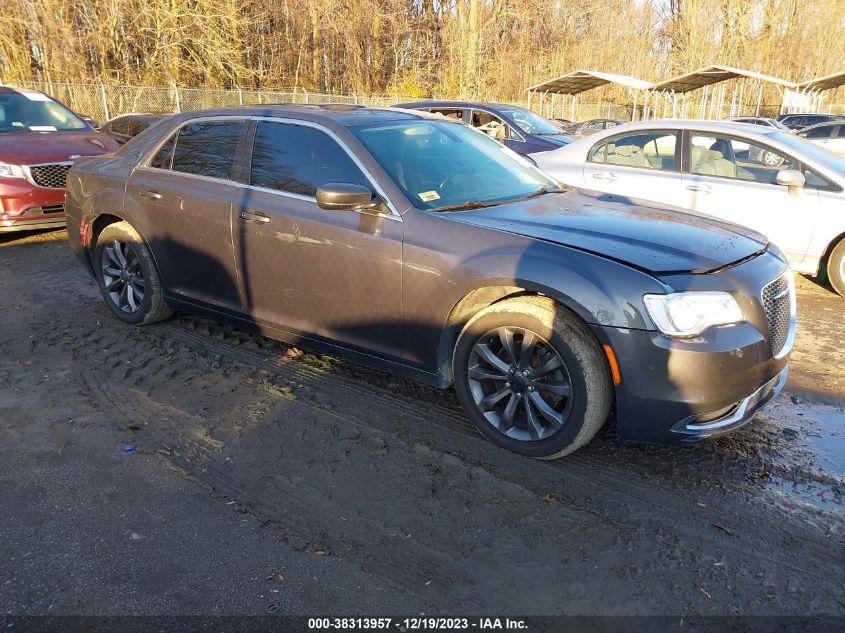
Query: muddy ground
pixel 266 479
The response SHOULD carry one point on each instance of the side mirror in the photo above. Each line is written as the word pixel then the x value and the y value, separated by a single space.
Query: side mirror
pixel 791 178
pixel 343 196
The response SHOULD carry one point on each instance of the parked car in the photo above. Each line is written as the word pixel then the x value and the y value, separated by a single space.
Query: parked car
pixel 523 131
pixel 830 136
pixel 127 126
pixel 800 121
pixel 592 126
pixel 724 170
pixel 39 139
pixel 758 120
pixel 414 242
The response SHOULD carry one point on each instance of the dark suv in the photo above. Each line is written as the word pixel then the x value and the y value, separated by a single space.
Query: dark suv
pixel 39 139
pixel 404 239
pixel 800 121
pixel 523 131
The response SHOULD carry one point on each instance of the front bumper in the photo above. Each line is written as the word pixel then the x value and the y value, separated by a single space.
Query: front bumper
pixel 24 206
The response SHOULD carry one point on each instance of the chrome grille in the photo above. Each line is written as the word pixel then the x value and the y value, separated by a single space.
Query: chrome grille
pixel 50 176
pixel 777 303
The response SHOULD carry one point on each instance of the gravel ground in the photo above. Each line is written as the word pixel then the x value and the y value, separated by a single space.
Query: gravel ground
pixel 267 479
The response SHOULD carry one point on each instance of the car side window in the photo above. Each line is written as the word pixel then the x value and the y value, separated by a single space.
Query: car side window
pixel 298 159
pixel 451 113
pixel 491 125
pixel 714 155
pixel 207 148
pixel 648 150
pixel 823 131
pixel 164 156
pixel 134 127
pixel 813 181
pixel 841 132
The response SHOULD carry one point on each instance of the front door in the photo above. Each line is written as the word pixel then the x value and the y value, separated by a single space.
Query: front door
pixel 182 201
pixel 336 274
pixel 735 180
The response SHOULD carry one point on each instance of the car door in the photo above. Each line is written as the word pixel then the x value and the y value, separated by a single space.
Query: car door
pixel 336 274
pixel 182 199
pixel 641 164
pixel 734 179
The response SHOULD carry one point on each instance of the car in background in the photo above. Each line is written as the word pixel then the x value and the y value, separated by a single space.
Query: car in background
pixel 830 136
pixel 39 140
pixel 414 242
pixel 523 131
pixel 800 121
pixel 759 120
pixel 724 170
pixel 592 126
pixel 126 126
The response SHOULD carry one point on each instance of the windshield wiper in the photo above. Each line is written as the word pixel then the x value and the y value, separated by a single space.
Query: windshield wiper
pixel 466 206
pixel 542 191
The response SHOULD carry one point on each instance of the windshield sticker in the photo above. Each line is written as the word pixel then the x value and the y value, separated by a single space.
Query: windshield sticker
pixel 42 128
pixel 35 96
pixel 429 196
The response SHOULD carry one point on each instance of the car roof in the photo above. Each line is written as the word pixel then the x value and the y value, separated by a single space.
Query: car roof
pixel 456 104
pixel 327 114
pixel 691 124
pixel 22 91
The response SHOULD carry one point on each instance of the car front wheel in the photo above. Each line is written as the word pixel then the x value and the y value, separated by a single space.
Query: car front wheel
pixel 127 276
pixel 532 377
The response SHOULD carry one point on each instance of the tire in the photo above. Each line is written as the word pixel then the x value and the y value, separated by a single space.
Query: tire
pixel 836 268
pixel 771 159
pixel 561 341
pixel 127 276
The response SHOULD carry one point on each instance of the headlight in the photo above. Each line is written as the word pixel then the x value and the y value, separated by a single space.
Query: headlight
pixel 686 314
pixel 10 171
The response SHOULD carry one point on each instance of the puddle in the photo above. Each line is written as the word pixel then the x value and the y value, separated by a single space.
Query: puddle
pixel 823 432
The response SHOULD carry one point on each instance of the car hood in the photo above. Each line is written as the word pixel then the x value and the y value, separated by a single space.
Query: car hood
pixel 655 238
pixel 34 148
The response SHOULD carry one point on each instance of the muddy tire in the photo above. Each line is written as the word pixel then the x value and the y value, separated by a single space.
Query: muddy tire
pixel 532 377
pixel 127 276
pixel 836 268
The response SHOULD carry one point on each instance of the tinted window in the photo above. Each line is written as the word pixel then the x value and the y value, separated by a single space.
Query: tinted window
pixel 118 126
pixel 649 150
pixel 164 157
pixel 813 181
pixel 712 155
pixel 841 132
pixel 298 159
pixel 207 148
pixel 490 124
pixel 135 126
pixel 823 131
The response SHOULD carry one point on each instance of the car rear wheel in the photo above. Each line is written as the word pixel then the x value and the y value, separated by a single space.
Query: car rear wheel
pixel 836 268
pixel 772 159
pixel 128 277
pixel 532 377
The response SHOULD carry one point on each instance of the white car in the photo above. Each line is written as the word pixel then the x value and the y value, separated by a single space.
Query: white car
pixel 766 179
pixel 830 136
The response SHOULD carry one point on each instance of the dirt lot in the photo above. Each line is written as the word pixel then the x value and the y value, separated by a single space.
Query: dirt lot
pixel 265 479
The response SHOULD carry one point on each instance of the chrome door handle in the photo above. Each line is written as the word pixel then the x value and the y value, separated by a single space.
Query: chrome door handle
pixel 149 193
pixel 701 188
pixel 254 217
pixel 610 177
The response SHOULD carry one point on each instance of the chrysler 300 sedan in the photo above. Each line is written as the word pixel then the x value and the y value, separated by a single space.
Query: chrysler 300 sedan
pixel 417 243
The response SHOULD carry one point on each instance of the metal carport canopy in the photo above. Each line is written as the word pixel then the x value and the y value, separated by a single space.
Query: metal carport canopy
pixel 579 81
pixel 828 82
pixel 709 75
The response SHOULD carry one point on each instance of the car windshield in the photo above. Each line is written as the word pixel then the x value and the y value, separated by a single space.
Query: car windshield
pixel 35 112
pixel 778 124
pixel 529 122
pixel 808 149
pixel 441 165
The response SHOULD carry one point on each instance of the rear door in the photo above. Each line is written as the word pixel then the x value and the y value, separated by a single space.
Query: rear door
pixel 734 179
pixel 182 200
pixel 336 274
pixel 642 164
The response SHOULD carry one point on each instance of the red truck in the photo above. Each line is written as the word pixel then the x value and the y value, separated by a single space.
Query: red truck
pixel 39 140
